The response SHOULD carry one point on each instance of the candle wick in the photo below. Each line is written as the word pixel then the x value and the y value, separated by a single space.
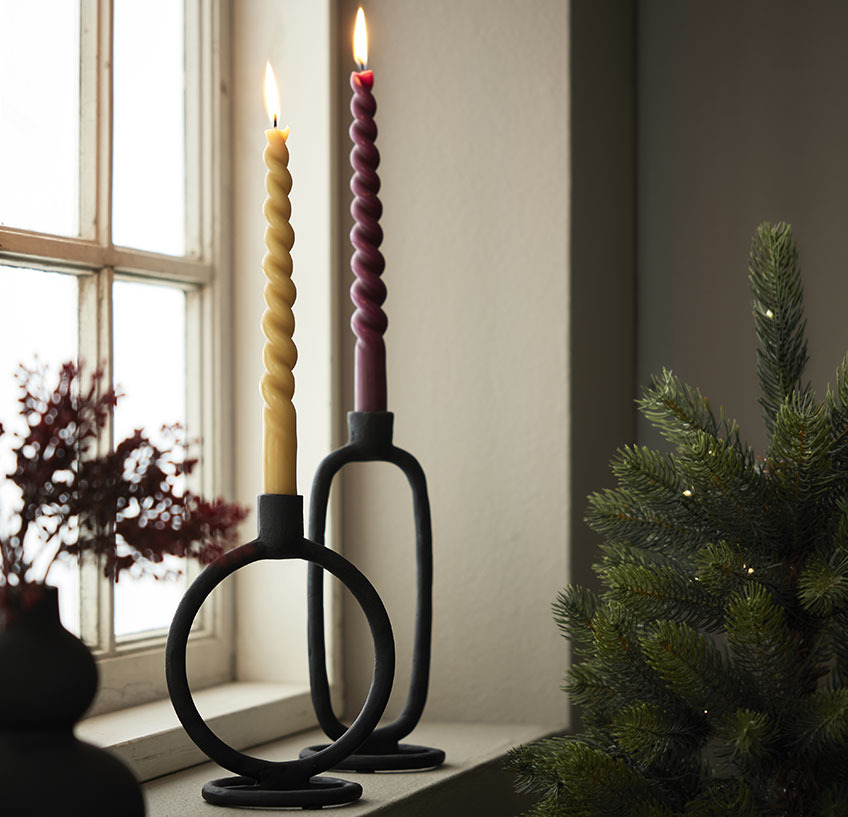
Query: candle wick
pixel 361 66
pixel 275 120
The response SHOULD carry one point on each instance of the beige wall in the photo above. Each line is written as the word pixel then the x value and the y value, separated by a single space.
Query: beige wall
pixel 511 378
pixel 472 116
pixel 473 109
pixel 294 36
pixel 742 120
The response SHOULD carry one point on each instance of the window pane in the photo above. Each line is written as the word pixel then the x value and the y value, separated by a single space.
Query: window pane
pixel 39 111
pixel 150 369
pixel 51 339
pixel 148 191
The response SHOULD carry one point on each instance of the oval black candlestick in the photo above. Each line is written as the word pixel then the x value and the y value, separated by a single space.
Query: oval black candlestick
pixel 370 440
pixel 292 783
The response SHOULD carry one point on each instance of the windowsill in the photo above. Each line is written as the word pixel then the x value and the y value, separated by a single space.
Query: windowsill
pixel 151 741
pixel 472 780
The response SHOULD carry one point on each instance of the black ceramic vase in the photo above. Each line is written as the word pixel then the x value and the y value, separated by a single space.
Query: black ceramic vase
pixel 48 679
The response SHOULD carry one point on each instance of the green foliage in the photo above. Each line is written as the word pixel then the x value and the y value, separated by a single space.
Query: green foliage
pixel 562 768
pixel 822 721
pixel 574 611
pixel 722 798
pixel 762 644
pixel 823 584
pixel 831 800
pixel 657 737
pixel 746 738
pixel 723 568
pixel 659 591
pixel 712 669
pixel 778 316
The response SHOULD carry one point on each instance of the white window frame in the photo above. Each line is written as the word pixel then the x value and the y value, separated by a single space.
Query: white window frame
pixel 132 668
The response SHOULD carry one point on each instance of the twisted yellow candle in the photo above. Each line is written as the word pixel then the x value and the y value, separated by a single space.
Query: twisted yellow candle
pixel 280 353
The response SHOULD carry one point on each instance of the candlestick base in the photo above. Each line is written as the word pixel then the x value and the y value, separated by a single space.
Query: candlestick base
pixel 370 440
pixel 403 757
pixel 246 792
pixel 292 783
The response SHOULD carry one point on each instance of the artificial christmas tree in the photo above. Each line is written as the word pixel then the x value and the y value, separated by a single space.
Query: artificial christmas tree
pixel 712 669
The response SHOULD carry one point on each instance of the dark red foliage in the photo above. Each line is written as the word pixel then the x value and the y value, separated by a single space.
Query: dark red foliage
pixel 127 506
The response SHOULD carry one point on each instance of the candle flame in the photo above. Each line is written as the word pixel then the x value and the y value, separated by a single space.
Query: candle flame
pixel 360 40
pixel 272 95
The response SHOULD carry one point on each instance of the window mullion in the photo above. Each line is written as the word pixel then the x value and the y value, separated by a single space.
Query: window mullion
pixel 104 123
pixel 195 134
pixel 88 117
pixel 200 419
pixel 95 349
pixel 95 293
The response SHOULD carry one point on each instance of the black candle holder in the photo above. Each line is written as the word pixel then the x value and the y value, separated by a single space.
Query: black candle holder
pixel 370 440
pixel 264 783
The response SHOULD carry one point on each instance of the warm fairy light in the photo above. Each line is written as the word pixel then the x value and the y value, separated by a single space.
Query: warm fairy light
pixel 272 95
pixel 360 40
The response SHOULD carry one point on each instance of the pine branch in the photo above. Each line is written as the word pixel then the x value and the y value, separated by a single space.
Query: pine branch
pixel 800 470
pixel 619 515
pixel 657 592
pixel 831 800
pixel 654 736
pixel 763 646
pixel 822 721
pixel 837 631
pixel 692 666
pixel 589 782
pixel 726 568
pixel 729 488
pixel 836 399
pixel 676 409
pixel 588 686
pixel 574 610
pixel 651 475
pixel 746 738
pixel 775 281
pixel 823 584
pixel 535 767
pixel 619 654
pixel 619 553
pixel 722 798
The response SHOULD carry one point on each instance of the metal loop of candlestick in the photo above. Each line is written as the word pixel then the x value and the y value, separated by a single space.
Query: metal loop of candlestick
pixel 370 440
pixel 264 783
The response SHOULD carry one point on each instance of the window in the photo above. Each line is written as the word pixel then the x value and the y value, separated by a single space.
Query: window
pixel 111 251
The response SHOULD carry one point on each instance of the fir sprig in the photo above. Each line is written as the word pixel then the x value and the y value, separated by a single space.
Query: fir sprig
pixel 746 738
pixel 574 612
pixel 692 666
pixel 823 584
pixel 660 591
pixel 775 280
pixel 761 644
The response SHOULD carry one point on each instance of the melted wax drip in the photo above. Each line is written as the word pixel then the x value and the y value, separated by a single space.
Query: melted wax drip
pixel 368 292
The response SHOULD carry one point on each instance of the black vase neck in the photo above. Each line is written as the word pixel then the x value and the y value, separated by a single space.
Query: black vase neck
pixel 48 677
pixel 29 605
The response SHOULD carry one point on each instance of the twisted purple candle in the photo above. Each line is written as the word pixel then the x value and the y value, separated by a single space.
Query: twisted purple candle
pixel 368 292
